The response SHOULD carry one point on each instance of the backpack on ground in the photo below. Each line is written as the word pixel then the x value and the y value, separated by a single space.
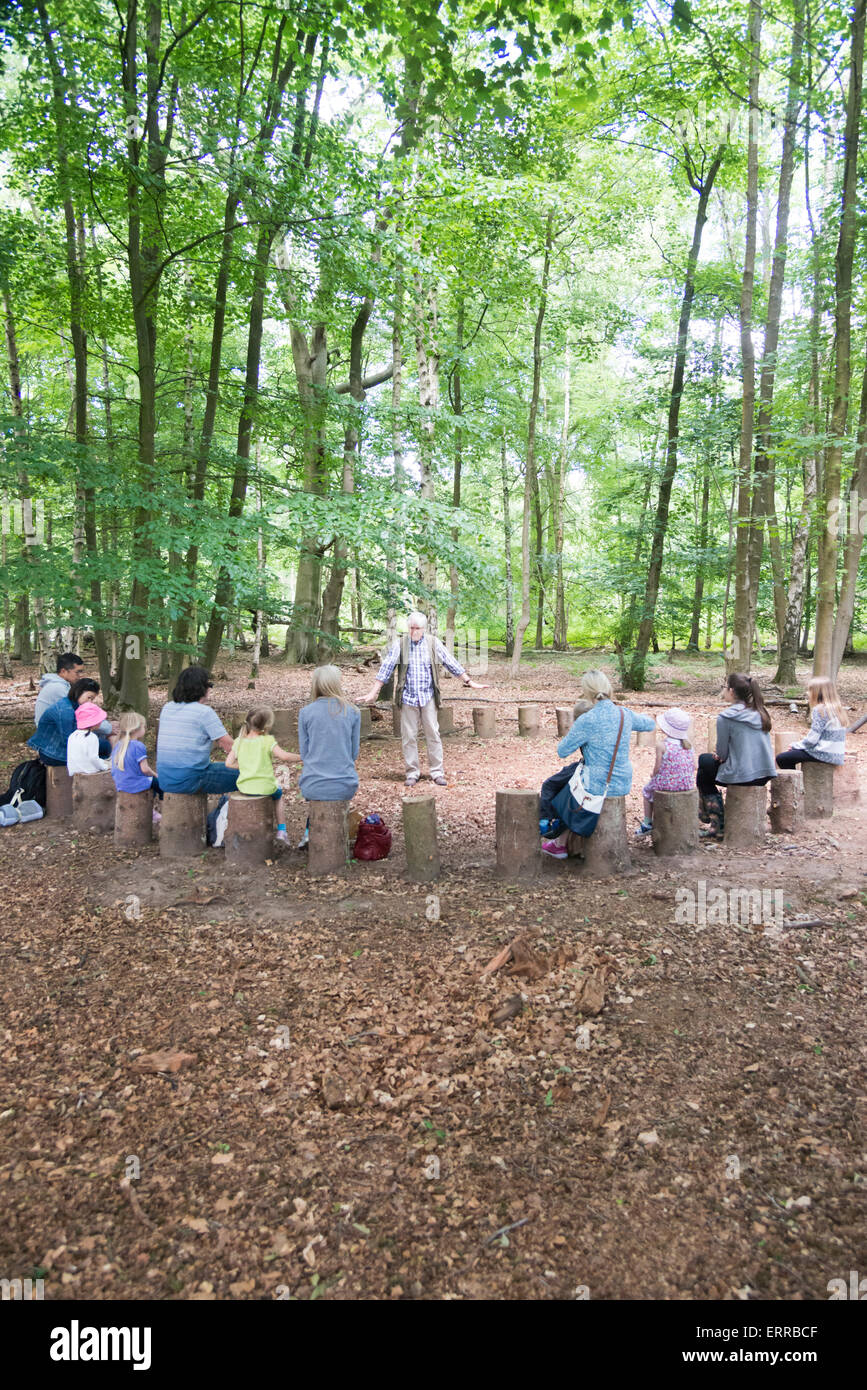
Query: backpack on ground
pixel 216 822
pixel 26 784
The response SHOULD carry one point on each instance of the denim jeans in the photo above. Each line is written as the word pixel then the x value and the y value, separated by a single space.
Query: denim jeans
pixel 215 779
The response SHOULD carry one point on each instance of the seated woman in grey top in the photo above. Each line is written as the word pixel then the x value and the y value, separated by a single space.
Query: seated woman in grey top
pixel 744 756
pixel 329 736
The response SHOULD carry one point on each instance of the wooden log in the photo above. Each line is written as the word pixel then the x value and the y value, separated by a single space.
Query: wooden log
pixel 182 830
pixel 705 734
pixel 517 832
pixel 249 829
pixel 484 722
pixel 58 793
pixel 285 729
pixel 818 790
pixel 395 720
pixel 847 786
pixel 366 721
pixel 564 721
pixel 93 801
pixel 645 738
pixel 446 719
pixel 787 803
pixel 420 838
pixel 746 811
pixel 675 822
pixel 784 738
pixel 606 852
pixel 529 721
pixel 133 819
pixel 328 850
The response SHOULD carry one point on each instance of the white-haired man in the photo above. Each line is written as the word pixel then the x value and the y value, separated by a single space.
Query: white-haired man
pixel 419 659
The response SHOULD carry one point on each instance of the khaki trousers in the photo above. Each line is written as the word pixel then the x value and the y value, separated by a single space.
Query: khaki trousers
pixel 411 716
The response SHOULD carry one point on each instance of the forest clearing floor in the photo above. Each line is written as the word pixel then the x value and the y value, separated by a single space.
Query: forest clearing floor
pixel 676 1111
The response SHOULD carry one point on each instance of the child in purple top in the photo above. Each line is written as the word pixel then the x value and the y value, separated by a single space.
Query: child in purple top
pixel 129 760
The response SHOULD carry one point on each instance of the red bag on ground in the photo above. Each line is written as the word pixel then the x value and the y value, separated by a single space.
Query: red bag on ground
pixel 373 840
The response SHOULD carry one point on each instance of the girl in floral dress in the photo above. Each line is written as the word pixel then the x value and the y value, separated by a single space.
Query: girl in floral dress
pixel 674 768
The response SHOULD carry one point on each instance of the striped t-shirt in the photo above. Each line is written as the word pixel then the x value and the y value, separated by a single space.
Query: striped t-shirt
pixel 826 741
pixel 184 740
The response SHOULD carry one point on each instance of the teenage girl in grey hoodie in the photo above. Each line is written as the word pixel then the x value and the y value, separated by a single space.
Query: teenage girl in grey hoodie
pixel 744 756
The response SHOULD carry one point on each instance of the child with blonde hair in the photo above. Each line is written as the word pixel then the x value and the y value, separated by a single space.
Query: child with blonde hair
pixel 129 759
pixel 826 741
pixel 252 754
pixel 674 766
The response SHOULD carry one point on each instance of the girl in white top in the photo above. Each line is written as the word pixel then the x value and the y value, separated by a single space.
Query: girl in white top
pixel 82 747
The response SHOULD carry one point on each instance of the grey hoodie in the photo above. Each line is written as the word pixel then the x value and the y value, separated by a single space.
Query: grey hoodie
pixel 53 688
pixel 743 746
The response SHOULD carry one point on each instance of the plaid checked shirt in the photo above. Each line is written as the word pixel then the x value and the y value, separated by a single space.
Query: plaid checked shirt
pixel 418 689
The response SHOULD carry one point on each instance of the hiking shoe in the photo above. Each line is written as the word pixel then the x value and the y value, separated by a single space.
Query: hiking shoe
pixel 156 817
pixel 305 839
pixel 411 781
pixel 644 828
pixel 556 851
pixel 282 836
pixel 439 781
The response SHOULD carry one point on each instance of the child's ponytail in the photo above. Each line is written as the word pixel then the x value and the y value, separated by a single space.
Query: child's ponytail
pixel 128 724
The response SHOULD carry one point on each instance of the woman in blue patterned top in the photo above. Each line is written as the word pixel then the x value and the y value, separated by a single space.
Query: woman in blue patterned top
pixel 595 733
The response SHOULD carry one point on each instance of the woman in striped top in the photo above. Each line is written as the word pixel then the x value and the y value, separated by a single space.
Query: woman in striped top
pixel 826 741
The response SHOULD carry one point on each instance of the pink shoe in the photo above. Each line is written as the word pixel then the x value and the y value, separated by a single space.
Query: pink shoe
pixel 157 816
pixel 556 851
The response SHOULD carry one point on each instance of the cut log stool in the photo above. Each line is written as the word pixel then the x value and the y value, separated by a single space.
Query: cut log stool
pixel 564 721
pixel 93 800
pixel 784 738
pixel 528 721
pixel 818 790
pixel 249 829
pixel 58 792
pixel 182 829
pixel 675 822
pixel 847 788
pixel 485 723
pixel 646 738
pixel 328 847
pixel 606 852
pixel 746 812
pixel 133 819
pixel 518 842
pixel 420 838
pixel 787 803
pixel 446 719
pixel 366 721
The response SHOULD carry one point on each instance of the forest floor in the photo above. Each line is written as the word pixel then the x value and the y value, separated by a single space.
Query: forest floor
pixel 676 1112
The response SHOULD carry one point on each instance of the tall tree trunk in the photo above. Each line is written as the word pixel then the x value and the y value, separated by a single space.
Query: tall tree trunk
pixel 561 630
pixel 855 515
pixel 428 364
pixel 457 408
pixel 530 469
pixel 634 677
pixel 507 542
pixel 764 512
pixel 828 543
pixel 739 658
pixel 396 436
pixel 311 368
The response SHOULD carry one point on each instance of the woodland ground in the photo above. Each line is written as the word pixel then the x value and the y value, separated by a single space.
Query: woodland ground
pixel 306 1170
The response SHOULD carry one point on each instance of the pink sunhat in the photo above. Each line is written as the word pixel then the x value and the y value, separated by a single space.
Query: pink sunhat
pixel 674 722
pixel 88 715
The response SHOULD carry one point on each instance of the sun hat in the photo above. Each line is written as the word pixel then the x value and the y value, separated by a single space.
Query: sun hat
pixel 674 722
pixel 88 715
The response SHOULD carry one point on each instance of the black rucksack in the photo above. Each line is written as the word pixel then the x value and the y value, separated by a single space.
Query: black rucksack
pixel 29 779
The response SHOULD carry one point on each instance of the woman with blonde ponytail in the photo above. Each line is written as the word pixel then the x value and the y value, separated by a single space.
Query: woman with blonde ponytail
pixel 744 756
pixel 129 759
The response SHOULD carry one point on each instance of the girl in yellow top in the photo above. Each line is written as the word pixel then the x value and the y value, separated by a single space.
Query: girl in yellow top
pixel 252 753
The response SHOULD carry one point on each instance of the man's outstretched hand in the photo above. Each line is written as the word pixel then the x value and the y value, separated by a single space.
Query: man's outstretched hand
pixel 476 685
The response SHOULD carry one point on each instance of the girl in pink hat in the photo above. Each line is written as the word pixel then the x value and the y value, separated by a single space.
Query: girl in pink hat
pixel 674 768
pixel 82 746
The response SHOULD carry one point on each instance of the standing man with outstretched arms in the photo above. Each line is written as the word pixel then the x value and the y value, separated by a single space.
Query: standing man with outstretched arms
pixel 419 659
